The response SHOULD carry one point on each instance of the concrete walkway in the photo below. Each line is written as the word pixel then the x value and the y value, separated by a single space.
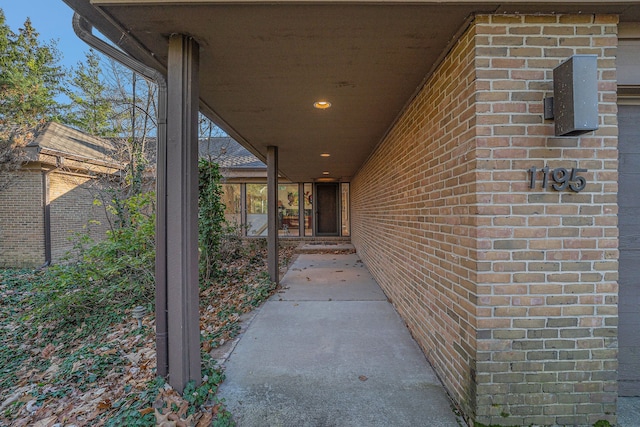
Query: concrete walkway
pixel 628 411
pixel 329 350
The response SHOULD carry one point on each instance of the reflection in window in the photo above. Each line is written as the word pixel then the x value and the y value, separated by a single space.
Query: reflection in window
pixel 346 220
pixel 288 210
pixel 231 200
pixel 308 209
pixel 257 210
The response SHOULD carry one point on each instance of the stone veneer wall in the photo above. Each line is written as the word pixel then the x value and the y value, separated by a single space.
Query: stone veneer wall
pixel 510 291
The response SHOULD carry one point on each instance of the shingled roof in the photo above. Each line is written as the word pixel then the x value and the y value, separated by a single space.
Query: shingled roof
pixel 229 154
pixel 64 142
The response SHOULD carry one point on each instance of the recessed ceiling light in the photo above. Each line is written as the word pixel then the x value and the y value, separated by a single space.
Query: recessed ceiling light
pixel 325 155
pixel 322 105
pixel 325 173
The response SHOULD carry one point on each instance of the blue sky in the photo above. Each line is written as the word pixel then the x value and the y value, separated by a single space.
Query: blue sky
pixel 52 19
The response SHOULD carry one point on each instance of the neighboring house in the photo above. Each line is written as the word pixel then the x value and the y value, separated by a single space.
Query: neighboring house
pixel 508 244
pixel 54 196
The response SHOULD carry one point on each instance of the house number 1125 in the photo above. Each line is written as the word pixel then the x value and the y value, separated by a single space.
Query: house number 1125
pixel 561 177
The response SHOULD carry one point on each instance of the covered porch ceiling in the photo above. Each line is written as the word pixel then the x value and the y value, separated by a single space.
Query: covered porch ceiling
pixel 263 64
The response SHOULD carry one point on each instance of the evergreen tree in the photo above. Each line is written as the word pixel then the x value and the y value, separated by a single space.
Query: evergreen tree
pixel 30 77
pixel 30 80
pixel 91 108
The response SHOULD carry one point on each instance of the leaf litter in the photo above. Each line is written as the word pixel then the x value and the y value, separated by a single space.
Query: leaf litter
pixel 109 378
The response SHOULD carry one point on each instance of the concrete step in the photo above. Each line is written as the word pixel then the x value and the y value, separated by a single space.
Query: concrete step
pixel 322 246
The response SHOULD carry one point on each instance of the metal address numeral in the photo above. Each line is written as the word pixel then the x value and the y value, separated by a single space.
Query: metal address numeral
pixel 561 177
pixel 576 182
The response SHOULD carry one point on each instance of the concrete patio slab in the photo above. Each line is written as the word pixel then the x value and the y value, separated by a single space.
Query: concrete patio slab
pixel 328 352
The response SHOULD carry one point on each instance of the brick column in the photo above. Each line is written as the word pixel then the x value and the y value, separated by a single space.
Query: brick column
pixel 547 270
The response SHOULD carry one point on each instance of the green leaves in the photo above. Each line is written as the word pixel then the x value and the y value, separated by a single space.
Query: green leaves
pixel 92 109
pixel 107 278
pixel 211 221
pixel 30 77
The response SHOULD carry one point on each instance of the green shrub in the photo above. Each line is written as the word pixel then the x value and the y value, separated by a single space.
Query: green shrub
pixel 107 278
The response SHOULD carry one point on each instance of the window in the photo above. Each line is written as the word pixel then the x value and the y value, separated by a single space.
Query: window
pixel 257 210
pixel 308 209
pixel 288 210
pixel 231 200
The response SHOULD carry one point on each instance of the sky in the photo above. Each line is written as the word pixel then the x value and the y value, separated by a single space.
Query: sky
pixel 52 19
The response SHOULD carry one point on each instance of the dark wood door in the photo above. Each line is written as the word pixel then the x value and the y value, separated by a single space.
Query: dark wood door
pixel 629 267
pixel 327 209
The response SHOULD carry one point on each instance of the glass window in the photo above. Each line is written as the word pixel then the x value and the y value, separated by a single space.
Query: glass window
pixel 344 201
pixel 257 210
pixel 231 200
pixel 288 210
pixel 308 209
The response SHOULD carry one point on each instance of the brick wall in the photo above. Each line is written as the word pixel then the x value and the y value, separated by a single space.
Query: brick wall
pixel 413 219
pixel 73 211
pixel 21 221
pixel 510 291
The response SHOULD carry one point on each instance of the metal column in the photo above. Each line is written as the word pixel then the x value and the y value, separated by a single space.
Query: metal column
pixel 182 212
pixel 272 213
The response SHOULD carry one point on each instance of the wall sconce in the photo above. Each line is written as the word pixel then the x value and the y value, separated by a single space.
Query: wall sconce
pixel 574 105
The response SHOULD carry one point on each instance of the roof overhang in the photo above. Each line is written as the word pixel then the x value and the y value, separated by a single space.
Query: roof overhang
pixel 263 64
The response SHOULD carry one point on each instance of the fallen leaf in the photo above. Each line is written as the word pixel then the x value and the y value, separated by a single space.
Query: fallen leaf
pixel 362 378
pixel 183 409
pixel 46 422
pixel 160 417
pixel 104 405
pixel 145 411
pixel 48 351
pixel 205 420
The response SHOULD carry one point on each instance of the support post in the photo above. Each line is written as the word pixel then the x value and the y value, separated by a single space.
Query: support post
pixel 46 202
pixel 272 213
pixel 182 213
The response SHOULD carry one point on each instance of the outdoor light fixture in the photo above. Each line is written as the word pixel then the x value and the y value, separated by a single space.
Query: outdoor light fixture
pixel 325 155
pixel 138 313
pixel 574 105
pixel 325 173
pixel 322 105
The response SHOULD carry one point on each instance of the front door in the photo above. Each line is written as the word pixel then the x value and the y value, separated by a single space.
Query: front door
pixel 327 209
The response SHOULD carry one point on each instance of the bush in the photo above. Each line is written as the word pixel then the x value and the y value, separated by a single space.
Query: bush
pixel 108 277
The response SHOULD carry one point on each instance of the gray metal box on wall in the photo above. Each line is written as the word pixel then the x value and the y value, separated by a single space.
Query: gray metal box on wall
pixel 575 95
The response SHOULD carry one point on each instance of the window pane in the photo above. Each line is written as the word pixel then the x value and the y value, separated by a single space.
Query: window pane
pixel 257 210
pixel 346 220
pixel 308 209
pixel 231 200
pixel 288 210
